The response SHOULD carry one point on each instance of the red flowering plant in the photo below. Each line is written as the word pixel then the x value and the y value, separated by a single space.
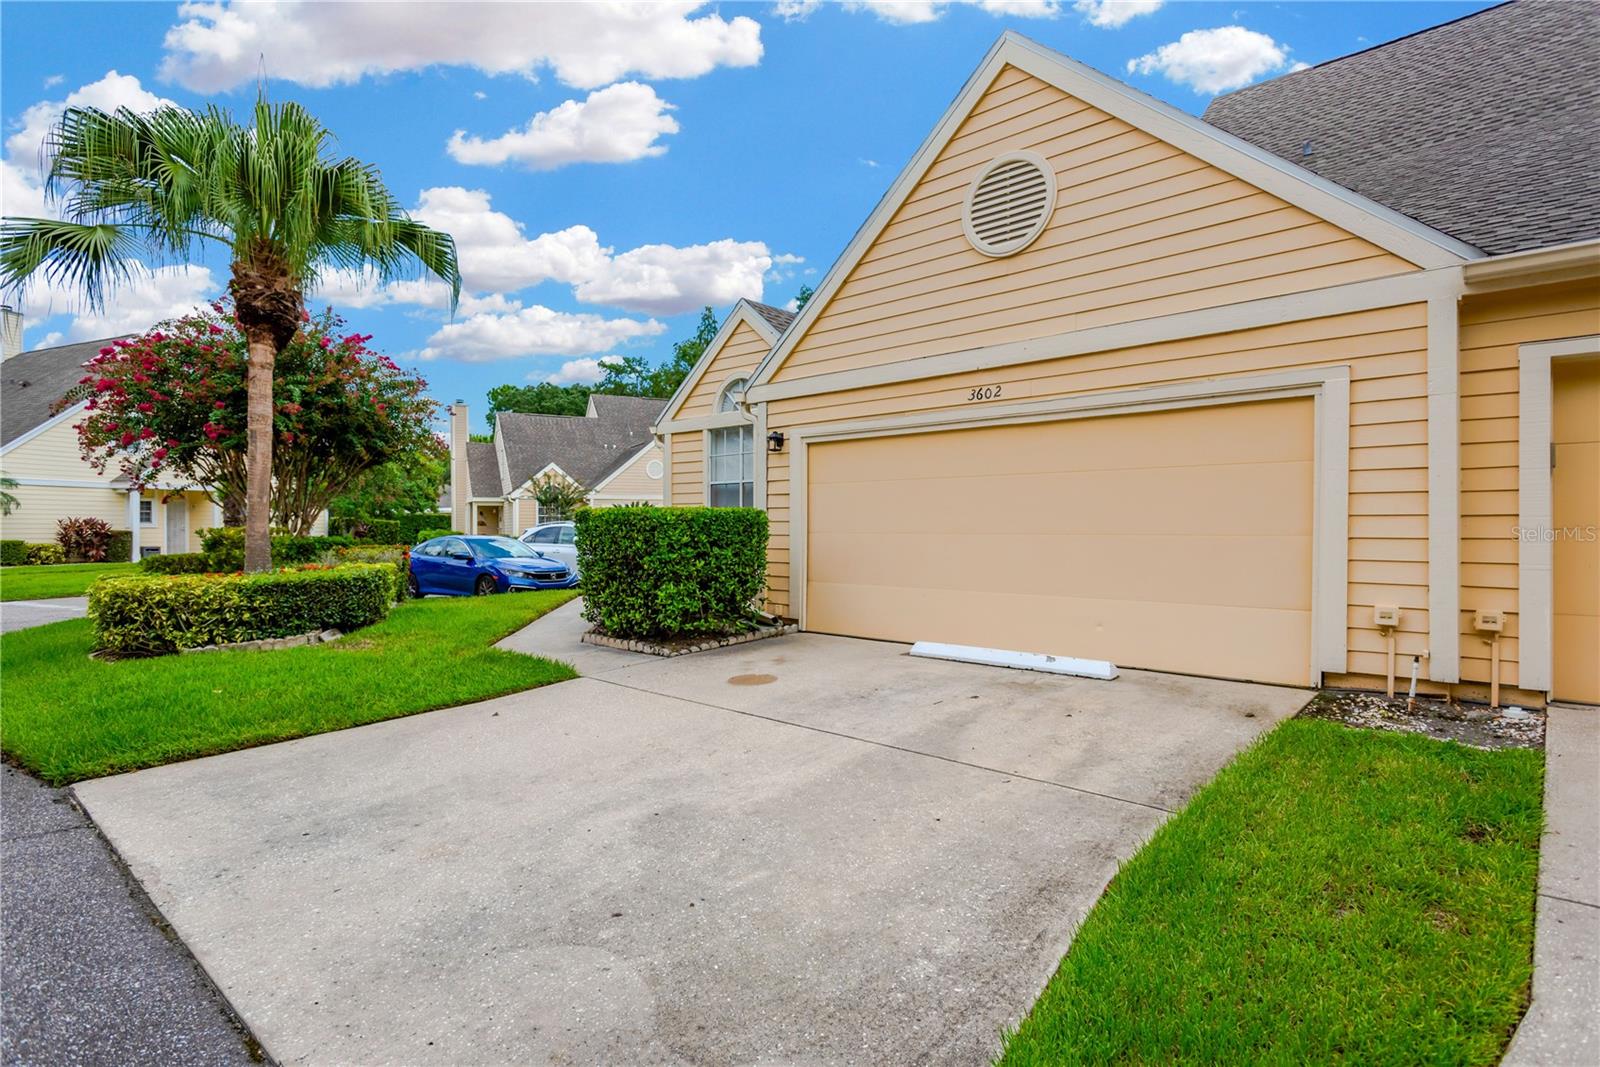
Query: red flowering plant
pixel 172 402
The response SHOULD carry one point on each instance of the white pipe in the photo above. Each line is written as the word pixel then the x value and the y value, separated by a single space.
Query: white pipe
pixel 1411 694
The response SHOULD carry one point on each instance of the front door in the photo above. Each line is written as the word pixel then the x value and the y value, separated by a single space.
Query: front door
pixel 177 525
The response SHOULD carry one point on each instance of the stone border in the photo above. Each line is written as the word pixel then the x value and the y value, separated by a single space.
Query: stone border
pixel 653 648
pixel 315 637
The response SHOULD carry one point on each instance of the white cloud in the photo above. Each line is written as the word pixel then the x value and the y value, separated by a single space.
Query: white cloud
pixel 216 45
pixel 616 124
pixel 496 255
pixel 666 280
pixel 912 12
pixel 494 252
pixel 533 331
pixel 1109 14
pixel 53 80
pixel 1213 61
pixel 479 94
pixel 144 299
pixel 579 371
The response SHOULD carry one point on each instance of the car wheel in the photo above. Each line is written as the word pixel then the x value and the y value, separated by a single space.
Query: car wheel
pixel 413 587
pixel 485 586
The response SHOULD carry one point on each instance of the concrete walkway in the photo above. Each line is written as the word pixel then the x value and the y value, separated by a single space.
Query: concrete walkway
pixel 800 850
pixel 1562 1026
pixel 21 614
pixel 90 971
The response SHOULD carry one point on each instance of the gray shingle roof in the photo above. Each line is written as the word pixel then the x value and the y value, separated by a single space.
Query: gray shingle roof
pixel 32 382
pixel 483 469
pixel 586 447
pixel 1486 128
pixel 778 318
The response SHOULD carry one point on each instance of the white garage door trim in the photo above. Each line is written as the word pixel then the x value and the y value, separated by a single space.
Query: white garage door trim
pixel 1328 386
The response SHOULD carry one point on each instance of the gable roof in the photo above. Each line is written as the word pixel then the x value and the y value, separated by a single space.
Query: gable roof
pixel 32 382
pixel 483 470
pixel 1357 214
pixel 767 321
pixel 1484 127
pixel 585 447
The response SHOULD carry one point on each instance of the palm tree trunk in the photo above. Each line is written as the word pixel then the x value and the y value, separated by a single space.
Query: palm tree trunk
pixel 262 353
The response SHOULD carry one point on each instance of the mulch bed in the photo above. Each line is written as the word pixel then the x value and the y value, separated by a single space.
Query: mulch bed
pixel 1470 724
pixel 682 646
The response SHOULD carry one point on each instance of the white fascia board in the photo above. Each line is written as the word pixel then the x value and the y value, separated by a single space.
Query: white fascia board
pixel 1099 669
pixel 1383 226
pixel 48 424
pixel 500 459
pixel 630 461
pixel 742 312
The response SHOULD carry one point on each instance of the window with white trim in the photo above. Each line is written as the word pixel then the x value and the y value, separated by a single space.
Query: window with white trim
pixel 733 465
pixel 147 513
pixel 728 399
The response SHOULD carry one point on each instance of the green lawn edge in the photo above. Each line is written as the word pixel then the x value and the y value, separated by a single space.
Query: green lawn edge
pixel 1333 895
pixel 66 717
pixel 48 581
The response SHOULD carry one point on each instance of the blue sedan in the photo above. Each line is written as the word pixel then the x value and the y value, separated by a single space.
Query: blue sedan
pixel 478 566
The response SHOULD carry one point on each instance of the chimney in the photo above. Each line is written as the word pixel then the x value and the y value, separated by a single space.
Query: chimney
pixel 460 479
pixel 10 331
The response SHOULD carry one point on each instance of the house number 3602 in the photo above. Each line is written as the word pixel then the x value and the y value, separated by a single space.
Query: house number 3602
pixel 985 392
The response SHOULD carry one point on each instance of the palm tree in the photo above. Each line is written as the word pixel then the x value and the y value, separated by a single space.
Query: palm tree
pixel 163 182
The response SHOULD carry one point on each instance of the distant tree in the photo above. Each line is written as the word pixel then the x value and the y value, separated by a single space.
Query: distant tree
pixel 632 376
pixel 802 297
pixel 406 485
pixel 541 399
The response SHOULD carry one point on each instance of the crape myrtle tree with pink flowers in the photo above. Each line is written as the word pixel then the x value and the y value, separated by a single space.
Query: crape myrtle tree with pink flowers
pixel 159 186
pixel 176 401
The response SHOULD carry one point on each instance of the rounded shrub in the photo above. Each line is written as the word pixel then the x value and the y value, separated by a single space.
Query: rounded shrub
pixel 671 572
pixel 150 615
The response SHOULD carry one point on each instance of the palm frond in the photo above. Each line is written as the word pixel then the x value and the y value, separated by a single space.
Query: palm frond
pixel 89 257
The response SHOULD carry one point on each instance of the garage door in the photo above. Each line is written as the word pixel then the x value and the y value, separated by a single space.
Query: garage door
pixel 1175 541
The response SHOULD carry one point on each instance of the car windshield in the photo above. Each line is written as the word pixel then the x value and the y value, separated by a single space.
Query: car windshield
pixel 501 547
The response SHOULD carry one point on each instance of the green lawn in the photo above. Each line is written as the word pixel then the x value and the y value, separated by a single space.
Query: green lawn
pixel 67 717
pixel 63 579
pixel 1334 895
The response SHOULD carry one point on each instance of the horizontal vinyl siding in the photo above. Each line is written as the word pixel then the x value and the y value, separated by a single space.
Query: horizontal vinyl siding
pixel 688 469
pixel 739 355
pixel 1492 328
pixel 1386 351
pixel 40 506
pixel 54 454
pixel 633 482
pixel 1140 229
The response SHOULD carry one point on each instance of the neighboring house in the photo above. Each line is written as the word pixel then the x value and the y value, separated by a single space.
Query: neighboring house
pixel 39 450
pixel 608 452
pixel 1102 379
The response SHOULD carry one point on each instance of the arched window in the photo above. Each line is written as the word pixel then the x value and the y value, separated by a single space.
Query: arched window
pixel 728 399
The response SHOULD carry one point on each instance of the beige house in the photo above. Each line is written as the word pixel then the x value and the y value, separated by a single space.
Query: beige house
pixel 40 453
pixel 1297 393
pixel 608 452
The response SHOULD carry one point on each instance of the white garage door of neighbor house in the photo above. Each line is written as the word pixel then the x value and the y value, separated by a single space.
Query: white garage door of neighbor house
pixel 1173 541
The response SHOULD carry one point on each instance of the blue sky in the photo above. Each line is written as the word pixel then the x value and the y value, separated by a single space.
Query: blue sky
pixel 605 171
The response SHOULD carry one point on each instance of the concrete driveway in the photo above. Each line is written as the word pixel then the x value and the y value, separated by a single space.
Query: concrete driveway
pixel 21 614
pixel 803 850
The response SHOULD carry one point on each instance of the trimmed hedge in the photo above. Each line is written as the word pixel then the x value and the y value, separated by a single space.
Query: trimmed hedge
pixel 405 529
pixel 157 614
pixel 225 546
pixel 177 563
pixel 45 554
pixel 396 556
pixel 429 535
pixel 13 553
pixel 671 572
pixel 119 547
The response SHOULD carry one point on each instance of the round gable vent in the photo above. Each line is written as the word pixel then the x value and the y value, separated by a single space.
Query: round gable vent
pixel 1009 203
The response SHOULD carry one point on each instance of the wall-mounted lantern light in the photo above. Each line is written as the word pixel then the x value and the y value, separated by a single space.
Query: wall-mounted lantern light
pixel 775 441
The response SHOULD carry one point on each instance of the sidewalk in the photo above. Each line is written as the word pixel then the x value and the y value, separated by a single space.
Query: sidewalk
pixel 1562 1025
pixel 21 614
pixel 92 975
